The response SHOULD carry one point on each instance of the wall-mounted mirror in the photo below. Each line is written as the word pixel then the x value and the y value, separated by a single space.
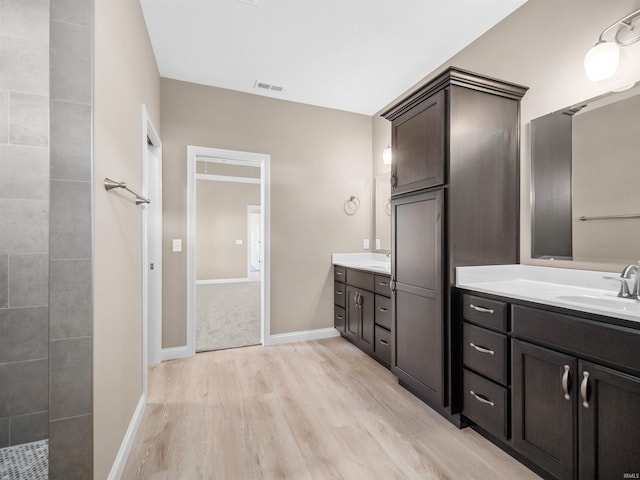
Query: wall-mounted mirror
pixel 585 181
pixel 383 211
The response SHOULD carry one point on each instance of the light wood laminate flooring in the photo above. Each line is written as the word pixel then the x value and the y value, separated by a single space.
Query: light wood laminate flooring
pixel 311 410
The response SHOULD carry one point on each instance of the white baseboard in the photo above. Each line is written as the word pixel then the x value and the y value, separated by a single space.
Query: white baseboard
pixel 175 352
pixel 303 336
pixel 225 280
pixel 127 442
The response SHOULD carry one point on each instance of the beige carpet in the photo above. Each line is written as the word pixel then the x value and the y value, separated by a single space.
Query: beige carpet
pixel 227 315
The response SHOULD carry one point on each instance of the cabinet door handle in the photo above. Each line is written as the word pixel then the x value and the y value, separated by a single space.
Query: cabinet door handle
pixel 392 284
pixel 384 342
pixel 355 299
pixel 481 399
pixel 394 180
pixel 481 349
pixel 583 389
pixel 565 382
pixel 481 309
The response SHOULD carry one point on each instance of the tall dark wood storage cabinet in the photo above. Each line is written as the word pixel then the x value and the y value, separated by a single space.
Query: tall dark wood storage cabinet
pixel 455 202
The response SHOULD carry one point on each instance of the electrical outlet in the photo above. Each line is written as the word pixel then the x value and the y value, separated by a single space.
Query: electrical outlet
pixel 177 245
pixel 366 244
pixel 378 244
pixel 239 242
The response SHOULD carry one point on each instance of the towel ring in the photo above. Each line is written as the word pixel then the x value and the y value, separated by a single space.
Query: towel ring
pixel 352 205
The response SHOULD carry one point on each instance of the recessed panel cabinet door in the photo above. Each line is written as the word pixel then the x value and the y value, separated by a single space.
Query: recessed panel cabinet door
pixel 417 333
pixel 367 311
pixel 353 313
pixel 418 138
pixel 544 389
pixel 609 423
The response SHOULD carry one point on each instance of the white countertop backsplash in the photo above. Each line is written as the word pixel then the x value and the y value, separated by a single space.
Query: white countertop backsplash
pixel 551 286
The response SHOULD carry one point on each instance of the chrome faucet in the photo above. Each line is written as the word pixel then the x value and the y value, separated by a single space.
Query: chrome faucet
pixel 629 270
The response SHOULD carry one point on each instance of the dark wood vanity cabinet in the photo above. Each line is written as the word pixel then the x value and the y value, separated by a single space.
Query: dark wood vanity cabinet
pixel 574 387
pixel 362 311
pixel 455 201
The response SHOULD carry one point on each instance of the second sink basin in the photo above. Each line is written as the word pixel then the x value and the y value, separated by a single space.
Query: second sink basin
pixel 615 303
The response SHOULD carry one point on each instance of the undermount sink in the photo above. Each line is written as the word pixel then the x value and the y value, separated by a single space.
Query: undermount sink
pixel 614 303
pixel 379 266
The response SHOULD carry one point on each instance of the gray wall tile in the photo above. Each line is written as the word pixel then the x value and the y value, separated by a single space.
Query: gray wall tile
pixel 4 116
pixel 29 428
pixel 70 388
pixel 24 172
pixel 71 58
pixel 70 141
pixel 28 280
pixel 70 220
pixel 70 301
pixel 73 11
pixel 25 19
pixel 24 387
pixel 70 448
pixel 4 281
pixel 28 119
pixel 4 432
pixel 24 226
pixel 24 334
pixel 24 65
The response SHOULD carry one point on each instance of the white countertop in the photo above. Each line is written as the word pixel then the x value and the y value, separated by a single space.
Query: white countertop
pixel 371 262
pixel 580 290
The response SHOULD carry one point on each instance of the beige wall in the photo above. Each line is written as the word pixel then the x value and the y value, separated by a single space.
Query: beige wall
pixel 126 77
pixel 221 219
pixel 541 45
pixel 319 157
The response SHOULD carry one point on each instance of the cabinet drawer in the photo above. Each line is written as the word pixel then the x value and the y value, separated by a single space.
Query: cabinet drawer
pixel 382 348
pixel 360 279
pixel 490 313
pixel 339 294
pixel 487 405
pixel 382 285
pixel 339 273
pixel 383 312
pixel 339 318
pixel 485 352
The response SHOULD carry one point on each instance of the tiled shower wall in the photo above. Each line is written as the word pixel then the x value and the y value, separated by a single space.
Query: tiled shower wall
pixel 46 65
pixel 70 239
pixel 24 220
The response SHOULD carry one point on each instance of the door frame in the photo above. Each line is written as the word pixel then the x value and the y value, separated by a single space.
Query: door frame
pixel 150 348
pixel 234 157
pixel 251 210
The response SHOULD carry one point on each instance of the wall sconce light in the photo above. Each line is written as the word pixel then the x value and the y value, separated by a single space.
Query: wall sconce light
pixel 601 62
pixel 386 155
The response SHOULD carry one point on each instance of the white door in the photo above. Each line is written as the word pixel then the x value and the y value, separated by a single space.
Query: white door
pixel 154 242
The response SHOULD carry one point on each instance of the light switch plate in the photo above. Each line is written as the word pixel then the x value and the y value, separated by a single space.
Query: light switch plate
pixel 177 244
pixel 239 242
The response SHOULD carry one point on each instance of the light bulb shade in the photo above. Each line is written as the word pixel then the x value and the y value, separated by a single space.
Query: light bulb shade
pixel 386 155
pixel 601 61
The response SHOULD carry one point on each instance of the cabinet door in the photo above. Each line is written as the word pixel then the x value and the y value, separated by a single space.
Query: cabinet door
pixel 609 423
pixel 418 138
pixel 543 409
pixel 353 313
pixel 367 320
pixel 417 318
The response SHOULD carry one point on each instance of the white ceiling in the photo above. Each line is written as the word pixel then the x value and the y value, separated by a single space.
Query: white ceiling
pixel 353 55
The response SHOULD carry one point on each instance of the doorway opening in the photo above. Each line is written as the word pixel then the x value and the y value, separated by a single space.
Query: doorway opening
pixel 228 249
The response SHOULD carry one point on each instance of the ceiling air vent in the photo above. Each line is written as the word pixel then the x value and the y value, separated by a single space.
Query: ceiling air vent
pixel 267 86
pixel 253 3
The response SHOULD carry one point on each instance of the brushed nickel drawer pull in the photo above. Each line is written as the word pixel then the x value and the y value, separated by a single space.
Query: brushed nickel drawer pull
pixel 481 309
pixel 340 317
pixel 481 399
pixel 583 389
pixel 565 382
pixel 383 284
pixel 338 292
pixel 481 349
pixel 339 273
pixel 384 342
pixel 382 309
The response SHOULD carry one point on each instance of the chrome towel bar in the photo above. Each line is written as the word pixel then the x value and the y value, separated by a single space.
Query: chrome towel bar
pixel 609 217
pixel 111 184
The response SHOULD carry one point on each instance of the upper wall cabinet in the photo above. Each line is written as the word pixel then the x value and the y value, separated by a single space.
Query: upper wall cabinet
pixel 418 138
